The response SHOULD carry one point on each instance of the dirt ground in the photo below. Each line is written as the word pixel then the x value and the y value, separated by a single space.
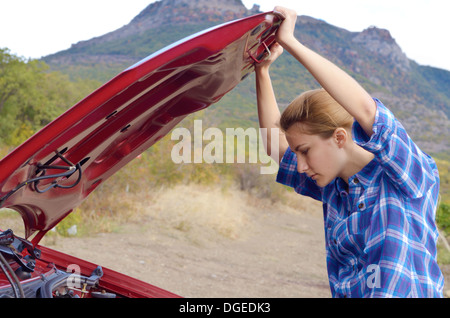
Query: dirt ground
pixel 272 251
pixel 206 243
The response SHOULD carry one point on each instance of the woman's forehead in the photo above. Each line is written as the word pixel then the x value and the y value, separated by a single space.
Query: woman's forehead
pixel 300 136
pixel 299 130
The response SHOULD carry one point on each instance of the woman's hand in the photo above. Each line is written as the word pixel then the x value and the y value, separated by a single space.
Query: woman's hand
pixel 340 85
pixel 285 32
pixel 275 51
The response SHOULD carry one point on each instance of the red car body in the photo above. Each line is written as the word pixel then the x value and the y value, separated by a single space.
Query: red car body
pixel 52 172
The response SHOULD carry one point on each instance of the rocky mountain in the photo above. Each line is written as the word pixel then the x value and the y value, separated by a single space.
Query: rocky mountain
pixel 418 95
pixel 158 25
pixel 180 12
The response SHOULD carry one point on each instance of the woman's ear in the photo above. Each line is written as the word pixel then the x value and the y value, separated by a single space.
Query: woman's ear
pixel 340 137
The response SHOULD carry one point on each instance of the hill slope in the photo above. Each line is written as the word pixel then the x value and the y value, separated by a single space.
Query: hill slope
pixel 417 94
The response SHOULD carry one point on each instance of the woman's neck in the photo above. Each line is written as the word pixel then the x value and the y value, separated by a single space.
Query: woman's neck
pixel 357 159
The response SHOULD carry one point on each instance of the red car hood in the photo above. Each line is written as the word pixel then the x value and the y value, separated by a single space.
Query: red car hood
pixel 51 173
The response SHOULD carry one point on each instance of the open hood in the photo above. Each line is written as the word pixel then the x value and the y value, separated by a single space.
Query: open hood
pixel 52 172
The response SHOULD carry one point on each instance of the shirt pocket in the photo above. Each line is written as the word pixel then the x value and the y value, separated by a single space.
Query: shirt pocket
pixel 359 224
pixel 358 221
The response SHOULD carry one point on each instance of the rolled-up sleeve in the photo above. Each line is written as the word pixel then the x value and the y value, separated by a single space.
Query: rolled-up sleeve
pixel 411 170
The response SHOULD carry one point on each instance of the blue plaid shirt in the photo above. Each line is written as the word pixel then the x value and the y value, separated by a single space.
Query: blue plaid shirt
pixel 381 235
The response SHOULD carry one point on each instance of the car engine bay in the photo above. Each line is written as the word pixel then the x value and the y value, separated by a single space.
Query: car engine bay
pixel 24 275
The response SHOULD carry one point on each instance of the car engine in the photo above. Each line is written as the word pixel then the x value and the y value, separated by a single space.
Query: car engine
pixel 24 275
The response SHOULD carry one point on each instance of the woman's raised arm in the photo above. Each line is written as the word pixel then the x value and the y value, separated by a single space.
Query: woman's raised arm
pixel 341 86
pixel 268 111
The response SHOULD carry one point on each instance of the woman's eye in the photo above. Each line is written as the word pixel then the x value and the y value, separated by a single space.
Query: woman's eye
pixel 304 152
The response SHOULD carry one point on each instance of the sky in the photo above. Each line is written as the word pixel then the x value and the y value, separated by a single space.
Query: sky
pixel 35 28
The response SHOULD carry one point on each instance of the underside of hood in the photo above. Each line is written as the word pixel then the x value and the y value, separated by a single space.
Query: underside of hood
pixel 52 172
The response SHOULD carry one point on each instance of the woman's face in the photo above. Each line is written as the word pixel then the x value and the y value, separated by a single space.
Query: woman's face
pixel 321 159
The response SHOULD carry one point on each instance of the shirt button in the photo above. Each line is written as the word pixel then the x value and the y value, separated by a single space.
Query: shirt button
pixel 356 181
pixel 361 206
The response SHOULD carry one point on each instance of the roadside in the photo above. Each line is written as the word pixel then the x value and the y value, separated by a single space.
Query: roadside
pixel 259 251
pixel 203 242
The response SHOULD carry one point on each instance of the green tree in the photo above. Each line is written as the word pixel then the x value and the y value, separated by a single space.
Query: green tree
pixel 31 96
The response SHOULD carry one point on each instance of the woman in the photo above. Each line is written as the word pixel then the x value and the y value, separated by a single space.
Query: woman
pixel 379 190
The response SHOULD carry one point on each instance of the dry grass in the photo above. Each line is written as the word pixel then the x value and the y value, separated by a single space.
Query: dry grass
pixel 195 212
pixel 10 219
pixel 198 212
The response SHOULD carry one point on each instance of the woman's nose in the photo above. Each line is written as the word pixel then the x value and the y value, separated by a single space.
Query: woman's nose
pixel 302 166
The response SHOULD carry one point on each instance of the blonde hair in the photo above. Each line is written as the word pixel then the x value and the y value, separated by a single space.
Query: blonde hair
pixel 315 112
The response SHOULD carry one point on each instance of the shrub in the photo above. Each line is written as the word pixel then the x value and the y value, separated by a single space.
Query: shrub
pixel 443 217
